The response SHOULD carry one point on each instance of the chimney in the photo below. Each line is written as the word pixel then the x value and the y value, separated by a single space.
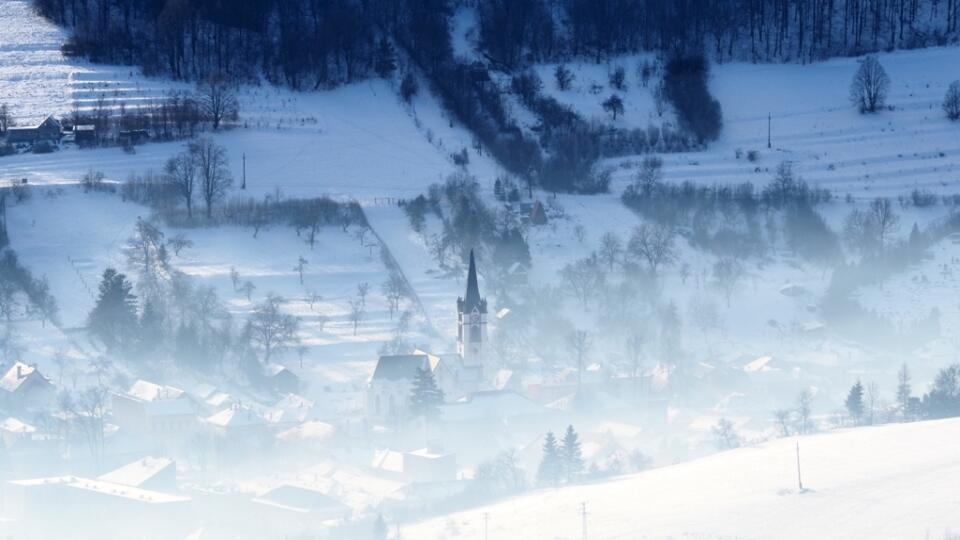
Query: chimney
pixel 19 371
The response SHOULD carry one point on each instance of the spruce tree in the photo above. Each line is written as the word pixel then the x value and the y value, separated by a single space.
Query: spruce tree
pixel 572 454
pixel 903 392
pixel 425 398
pixel 855 402
pixel 113 319
pixel 551 466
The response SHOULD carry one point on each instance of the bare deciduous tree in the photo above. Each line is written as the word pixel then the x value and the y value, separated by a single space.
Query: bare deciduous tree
pixel 868 91
pixel 218 99
pixel 356 313
pixel 884 217
pixel 610 249
pixel 583 279
pixel 300 267
pixel 181 172
pixel 363 289
pixel 783 417
pixel 727 273
pixel 211 162
pixel 654 244
pixel 272 329
pixel 179 242
pixel 393 289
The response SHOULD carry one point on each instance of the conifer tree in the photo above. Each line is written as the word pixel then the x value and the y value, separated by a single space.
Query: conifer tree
pixel 903 392
pixel 113 319
pixel 572 454
pixel 854 402
pixel 551 466
pixel 425 398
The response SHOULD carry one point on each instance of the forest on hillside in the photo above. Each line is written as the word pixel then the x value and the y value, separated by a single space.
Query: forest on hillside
pixel 316 43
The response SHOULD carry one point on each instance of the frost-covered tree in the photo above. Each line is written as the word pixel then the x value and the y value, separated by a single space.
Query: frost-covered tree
pixel 868 90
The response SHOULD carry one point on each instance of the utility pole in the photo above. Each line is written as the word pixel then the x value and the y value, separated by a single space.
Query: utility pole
pixel 769 121
pixel 799 479
pixel 583 516
pixel 244 184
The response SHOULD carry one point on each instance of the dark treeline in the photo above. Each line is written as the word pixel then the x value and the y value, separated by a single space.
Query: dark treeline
pixel 519 31
pixel 311 43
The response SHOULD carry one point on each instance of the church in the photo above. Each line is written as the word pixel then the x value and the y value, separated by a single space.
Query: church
pixel 459 375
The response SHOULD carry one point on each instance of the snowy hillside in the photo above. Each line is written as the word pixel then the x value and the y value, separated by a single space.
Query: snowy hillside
pixel 814 125
pixel 885 482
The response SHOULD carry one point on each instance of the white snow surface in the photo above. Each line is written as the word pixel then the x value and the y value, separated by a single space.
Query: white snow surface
pixel 894 481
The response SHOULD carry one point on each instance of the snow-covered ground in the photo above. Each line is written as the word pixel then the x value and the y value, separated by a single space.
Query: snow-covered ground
pixel 849 492
pixel 813 124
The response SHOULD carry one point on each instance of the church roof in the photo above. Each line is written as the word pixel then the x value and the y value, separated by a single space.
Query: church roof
pixel 399 367
pixel 472 299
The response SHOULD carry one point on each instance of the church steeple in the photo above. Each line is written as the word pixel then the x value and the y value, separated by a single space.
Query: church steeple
pixel 472 298
pixel 471 319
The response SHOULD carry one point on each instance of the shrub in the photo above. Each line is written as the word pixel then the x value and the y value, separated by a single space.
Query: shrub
pixel 42 147
pixel 951 101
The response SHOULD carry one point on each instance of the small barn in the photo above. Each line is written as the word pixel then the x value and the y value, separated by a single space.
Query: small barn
pixel 47 130
pixel 282 379
pixel 85 135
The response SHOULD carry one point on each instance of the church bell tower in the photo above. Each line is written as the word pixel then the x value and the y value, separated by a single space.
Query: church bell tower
pixel 471 320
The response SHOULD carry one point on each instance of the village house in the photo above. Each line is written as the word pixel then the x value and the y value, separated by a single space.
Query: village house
pixel 164 414
pixel 24 388
pixel 429 464
pixel 49 130
pixel 282 379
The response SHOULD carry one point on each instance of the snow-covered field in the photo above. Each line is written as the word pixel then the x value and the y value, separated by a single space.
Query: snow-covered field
pixel 814 125
pixel 750 493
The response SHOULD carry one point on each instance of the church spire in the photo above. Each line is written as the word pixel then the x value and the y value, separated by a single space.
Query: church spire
pixel 472 298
